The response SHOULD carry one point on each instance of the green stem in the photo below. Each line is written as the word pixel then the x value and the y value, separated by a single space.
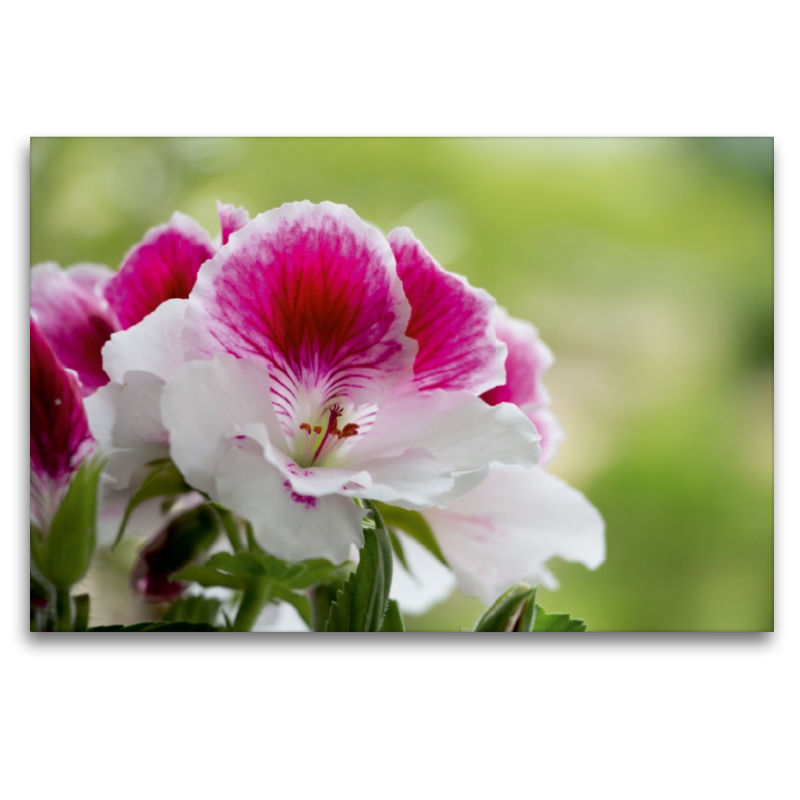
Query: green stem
pixel 63 609
pixel 257 591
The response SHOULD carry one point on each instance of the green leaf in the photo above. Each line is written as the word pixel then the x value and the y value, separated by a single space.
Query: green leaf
pixel 361 603
pixel 157 627
pixel 209 577
pixel 314 570
pixel 81 613
pixel 508 611
pixel 393 621
pixel 397 546
pixel 193 609
pixel 556 623
pixel 164 480
pixel 70 542
pixel 414 524
pixel 230 526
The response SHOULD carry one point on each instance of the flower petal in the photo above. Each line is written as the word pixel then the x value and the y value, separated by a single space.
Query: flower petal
pixel 508 527
pixel 126 421
pixel 231 219
pixel 205 403
pixel 453 322
pixel 59 435
pixel 163 266
pixel 460 430
pixel 286 524
pixel 528 357
pixel 153 345
pixel 311 292
pixel 549 429
pixel 73 315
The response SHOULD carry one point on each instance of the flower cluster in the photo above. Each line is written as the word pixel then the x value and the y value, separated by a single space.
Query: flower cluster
pixel 297 374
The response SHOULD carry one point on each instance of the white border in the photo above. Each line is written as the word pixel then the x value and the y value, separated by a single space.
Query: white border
pixel 628 716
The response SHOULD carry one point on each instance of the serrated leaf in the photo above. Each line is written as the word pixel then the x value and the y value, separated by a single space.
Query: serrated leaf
pixel 209 577
pixel 157 627
pixel 70 542
pixel 414 524
pixel 506 613
pixel 361 603
pixel 393 621
pixel 193 609
pixel 164 480
pixel 556 623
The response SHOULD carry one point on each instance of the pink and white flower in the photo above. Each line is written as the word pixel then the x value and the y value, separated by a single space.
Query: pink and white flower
pixel 80 307
pixel 507 527
pixel 60 438
pixel 315 361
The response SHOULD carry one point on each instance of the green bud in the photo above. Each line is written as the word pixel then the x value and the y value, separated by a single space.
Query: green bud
pixel 69 547
pixel 512 612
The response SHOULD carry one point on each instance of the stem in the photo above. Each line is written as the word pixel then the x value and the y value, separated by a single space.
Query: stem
pixel 257 591
pixel 63 609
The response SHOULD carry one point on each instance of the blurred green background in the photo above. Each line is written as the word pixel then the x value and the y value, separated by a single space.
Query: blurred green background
pixel 646 264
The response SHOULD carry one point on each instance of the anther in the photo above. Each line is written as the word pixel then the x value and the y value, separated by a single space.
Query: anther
pixel 317 429
pixel 306 427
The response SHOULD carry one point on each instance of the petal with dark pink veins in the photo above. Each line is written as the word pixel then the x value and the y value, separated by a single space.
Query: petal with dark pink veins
pixel 60 437
pixel 312 293
pixel 74 316
pixel 162 267
pixel 453 322
pixel 528 358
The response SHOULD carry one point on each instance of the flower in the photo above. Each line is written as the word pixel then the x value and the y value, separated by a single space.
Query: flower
pixel 80 307
pixel 59 436
pixel 315 361
pixel 506 528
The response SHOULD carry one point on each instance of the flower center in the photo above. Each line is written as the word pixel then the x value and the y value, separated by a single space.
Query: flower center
pixel 317 445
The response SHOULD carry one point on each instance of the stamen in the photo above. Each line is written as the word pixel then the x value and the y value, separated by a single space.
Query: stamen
pixel 305 427
pixel 335 412
pixel 317 429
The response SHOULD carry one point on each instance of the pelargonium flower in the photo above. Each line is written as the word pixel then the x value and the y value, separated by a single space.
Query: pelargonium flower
pixel 506 528
pixel 315 361
pixel 80 307
pixel 59 436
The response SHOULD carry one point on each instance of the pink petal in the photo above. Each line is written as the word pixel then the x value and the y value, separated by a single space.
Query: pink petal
pixel 74 316
pixel 452 322
pixel 549 429
pixel 162 267
pixel 311 292
pixel 528 357
pixel 231 219
pixel 60 436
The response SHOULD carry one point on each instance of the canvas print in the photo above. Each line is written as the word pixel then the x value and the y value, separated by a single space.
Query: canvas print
pixel 401 385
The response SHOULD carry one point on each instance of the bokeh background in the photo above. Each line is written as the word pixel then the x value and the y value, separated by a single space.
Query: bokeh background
pixel 646 264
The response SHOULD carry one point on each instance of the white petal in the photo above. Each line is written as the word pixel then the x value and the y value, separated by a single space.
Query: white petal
pixel 414 479
pixel 125 419
pixel 505 529
pixel 153 345
pixel 461 431
pixel 286 524
pixel 206 402
pixel 429 583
